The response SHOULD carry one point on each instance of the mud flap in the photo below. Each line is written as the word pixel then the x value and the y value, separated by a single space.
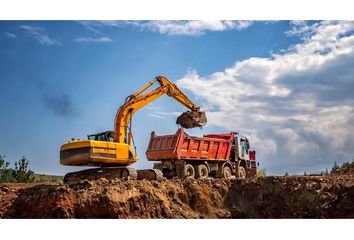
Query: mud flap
pixel 180 169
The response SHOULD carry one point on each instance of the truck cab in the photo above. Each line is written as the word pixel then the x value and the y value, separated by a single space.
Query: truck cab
pixel 243 155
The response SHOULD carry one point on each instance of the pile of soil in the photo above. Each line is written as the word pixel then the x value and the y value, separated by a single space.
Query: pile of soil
pixel 265 197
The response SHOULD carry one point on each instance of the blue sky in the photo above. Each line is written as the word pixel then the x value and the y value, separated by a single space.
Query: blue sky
pixel 288 85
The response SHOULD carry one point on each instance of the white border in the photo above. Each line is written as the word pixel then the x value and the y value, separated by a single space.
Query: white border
pixel 176 9
pixel 176 229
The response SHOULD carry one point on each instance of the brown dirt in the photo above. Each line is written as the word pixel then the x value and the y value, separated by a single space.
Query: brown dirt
pixel 266 197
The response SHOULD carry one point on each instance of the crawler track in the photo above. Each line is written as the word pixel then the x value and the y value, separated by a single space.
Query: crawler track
pixel 110 173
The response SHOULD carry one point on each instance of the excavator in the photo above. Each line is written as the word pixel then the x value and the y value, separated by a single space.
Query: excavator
pixel 112 152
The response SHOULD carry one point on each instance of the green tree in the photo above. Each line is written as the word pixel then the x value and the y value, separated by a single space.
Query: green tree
pixel 286 174
pixel 261 172
pixel 22 173
pixel 345 166
pixel 6 173
pixel 335 167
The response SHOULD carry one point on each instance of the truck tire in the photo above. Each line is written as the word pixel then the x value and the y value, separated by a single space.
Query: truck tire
pixel 241 172
pixel 202 171
pixel 189 171
pixel 226 172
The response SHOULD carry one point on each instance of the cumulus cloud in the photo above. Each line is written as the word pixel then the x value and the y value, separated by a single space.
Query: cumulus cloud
pixel 89 39
pixel 192 28
pixel 297 106
pixel 11 35
pixel 40 35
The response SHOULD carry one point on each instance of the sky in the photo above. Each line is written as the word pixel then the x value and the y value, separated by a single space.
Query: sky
pixel 287 85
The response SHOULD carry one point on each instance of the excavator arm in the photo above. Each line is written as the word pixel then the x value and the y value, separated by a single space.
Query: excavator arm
pixel 139 99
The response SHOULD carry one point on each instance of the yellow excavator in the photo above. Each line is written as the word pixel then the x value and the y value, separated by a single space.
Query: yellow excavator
pixel 113 151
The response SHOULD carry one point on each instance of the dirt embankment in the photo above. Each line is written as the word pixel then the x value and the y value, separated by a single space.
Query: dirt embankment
pixel 268 197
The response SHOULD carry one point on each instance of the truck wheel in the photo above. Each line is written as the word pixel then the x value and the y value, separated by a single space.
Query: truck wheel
pixel 226 173
pixel 189 171
pixel 202 171
pixel 241 172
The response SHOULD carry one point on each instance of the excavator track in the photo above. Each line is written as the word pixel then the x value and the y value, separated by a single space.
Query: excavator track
pixel 113 173
pixel 150 174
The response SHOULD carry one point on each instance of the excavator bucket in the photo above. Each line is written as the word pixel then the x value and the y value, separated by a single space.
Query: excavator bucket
pixel 192 119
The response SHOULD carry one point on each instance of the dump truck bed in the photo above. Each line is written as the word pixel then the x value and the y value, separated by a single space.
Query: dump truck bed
pixel 182 146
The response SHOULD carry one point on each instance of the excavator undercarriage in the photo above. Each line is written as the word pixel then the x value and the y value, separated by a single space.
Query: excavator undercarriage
pixel 113 173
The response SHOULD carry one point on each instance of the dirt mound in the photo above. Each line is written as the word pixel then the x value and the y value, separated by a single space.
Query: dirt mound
pixel 121 199
pixel 266 197
pixel 292 197
pixel 8 193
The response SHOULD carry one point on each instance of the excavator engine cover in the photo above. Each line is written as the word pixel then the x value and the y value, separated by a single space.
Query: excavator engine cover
pixel 192 119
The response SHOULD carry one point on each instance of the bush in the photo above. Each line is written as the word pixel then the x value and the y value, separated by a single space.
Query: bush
pixel 22 173
pixel 6 173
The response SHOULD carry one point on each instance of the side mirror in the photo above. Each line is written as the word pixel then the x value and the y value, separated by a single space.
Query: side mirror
pixel 258 164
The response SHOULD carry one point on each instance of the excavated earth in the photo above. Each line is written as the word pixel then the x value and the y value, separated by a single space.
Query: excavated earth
pixel 265 197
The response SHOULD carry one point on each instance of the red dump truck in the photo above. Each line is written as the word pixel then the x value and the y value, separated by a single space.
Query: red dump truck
pixel 214 155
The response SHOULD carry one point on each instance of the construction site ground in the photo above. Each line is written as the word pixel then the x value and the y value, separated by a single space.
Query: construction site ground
pixel 264 197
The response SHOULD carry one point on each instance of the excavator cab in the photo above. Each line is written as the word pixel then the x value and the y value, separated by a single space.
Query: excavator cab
pixel 103 136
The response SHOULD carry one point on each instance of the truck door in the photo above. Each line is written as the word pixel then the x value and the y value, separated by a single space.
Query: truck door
pixel 244 148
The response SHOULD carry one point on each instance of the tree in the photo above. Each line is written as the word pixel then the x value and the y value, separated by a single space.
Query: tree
pixel 22 173
pixel 325 173
pixel 261 173
pixel 335 167
pixel 6 173
pixel 286 174
pixel 345 166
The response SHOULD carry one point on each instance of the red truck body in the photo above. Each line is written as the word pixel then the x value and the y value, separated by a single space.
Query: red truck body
pixel 183 146
pixel 212 149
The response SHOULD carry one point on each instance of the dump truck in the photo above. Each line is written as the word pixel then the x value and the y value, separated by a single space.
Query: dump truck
pixel 112 152
pixel 213 155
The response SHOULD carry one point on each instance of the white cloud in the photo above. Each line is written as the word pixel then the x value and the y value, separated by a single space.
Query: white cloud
pixel 297 106
pixel 192 28
pixel 156 116
pixel 89 39
pixel 11 35
pixel 39 34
